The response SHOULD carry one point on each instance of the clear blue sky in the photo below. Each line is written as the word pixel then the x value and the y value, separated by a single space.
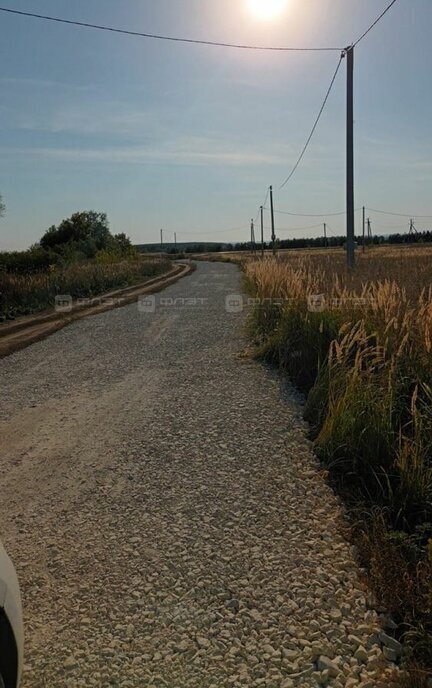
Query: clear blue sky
pixel 188 138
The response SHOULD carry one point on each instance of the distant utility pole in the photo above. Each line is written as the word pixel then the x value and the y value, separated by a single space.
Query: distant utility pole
pixel 412 229
pixel 252 241
pixel 161 234
pixel 175 241
pixel 262 231
pixel 369 231
pixel 325 235
pixel 350 159
pixel 273 236
pixel 364 229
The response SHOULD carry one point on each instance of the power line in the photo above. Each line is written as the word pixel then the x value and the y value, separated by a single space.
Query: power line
pixel 349 52
pixel 216 231
pixel 237 46
pixel 409 215
pixel 315 125
pixel 175 39
pixel 262 205
pixel 392 226
pixel 375 23
pixel 297 229
pixel 285 212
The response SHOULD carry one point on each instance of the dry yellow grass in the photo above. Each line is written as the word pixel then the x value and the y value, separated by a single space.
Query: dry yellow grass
pixel 390 289
pixel 362 352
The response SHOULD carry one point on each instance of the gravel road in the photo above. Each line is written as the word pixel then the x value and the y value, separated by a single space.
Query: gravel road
pixel 165 512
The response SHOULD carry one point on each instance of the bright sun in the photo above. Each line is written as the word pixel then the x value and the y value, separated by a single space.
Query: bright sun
pixel 267 9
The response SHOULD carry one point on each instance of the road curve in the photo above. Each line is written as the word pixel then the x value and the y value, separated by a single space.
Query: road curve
pixel 165 512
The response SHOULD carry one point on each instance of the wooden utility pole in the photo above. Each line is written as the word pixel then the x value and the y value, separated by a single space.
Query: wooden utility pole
pixel 325 235
pixel 252 240
pixel 273 237
pixel 369 228
pixel 350 159
pixel 262 231
pixel 161 234
pixel 364 229
pixel 175 241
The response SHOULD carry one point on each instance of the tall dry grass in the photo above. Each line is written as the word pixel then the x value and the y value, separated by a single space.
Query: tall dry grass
pixel 20 295
pixel 359 345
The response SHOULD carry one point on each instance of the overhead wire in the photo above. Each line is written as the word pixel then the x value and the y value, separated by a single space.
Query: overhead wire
pixel 216 231
pixel 176 39
pixel 324 215
pixel 262 206
pixel 111 29
pixel 344 52
pixel 290 176
pixel 410 215
pixel 297 229
pixel 372 26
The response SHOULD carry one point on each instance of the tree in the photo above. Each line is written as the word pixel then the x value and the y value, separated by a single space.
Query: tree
pixel 2 207
pixel 122 244
pixel 87 231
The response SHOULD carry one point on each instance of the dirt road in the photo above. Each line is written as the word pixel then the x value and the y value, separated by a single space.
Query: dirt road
pixel 165 512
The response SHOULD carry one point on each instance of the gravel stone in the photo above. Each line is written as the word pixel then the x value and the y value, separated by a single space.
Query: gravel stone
pixel 390 642
pixel 389 654
pixel 326 664
pixel 167 517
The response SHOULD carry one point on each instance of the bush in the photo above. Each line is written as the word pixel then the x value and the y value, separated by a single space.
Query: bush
pixel 26 262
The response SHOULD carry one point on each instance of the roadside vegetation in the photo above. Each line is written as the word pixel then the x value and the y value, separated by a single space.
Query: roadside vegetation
pixel 360 347
pixel 80 258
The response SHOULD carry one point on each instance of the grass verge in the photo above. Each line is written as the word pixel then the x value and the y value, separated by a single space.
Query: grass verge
pixel 22 295
pixel 359 346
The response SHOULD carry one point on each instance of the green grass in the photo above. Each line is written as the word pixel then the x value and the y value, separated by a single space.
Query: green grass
pixel 21 295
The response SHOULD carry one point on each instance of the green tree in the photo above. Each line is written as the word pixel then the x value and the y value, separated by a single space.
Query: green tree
pixel 88 231
pixel 122 244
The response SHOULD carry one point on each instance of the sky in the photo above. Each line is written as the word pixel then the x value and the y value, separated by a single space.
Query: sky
pixel 188 138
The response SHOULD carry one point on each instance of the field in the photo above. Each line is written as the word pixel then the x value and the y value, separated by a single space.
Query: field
pixel 24 294
pixel 359 346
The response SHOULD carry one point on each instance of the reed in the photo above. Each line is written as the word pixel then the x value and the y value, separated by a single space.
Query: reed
pixel 359 345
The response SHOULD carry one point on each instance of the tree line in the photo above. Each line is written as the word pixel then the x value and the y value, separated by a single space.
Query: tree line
pixel 84 236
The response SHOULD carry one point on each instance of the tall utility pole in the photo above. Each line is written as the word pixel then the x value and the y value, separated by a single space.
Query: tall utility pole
pixel 325 235
pixel 350 159
pixel 252 241
pixel 161 233
pixel 273 236
pixel 364 229
pixel 262 231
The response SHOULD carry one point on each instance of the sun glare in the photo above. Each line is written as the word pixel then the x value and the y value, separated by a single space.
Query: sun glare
pixel 267 9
